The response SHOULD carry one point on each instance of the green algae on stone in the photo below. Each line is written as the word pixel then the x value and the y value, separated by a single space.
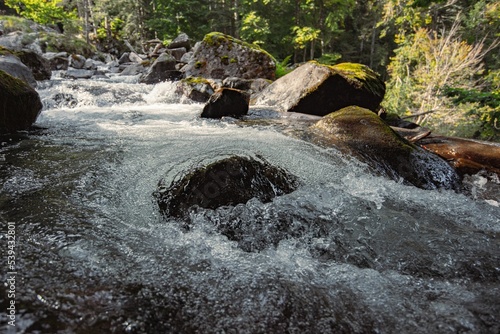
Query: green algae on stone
pixel 355 125
pixel 218 38
pixel 195 80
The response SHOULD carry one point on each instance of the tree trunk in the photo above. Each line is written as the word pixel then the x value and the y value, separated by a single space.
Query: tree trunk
pixel 86 17
pixel 372 46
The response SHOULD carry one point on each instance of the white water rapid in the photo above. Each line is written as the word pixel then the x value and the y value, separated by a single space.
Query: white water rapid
pixel 363 254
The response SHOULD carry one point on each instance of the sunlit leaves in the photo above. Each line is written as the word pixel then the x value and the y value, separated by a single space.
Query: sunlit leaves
pixel 42 11
pixel 304 35
pixel 254 28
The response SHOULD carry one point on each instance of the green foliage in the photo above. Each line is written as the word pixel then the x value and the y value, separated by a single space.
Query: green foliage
pixel 254 28
pixel 115 28
pixel 171 17
pixel 424 66
pixel 283 67
pixel 481 106
pixel 329 58
pixel 15 23
pixel 42 11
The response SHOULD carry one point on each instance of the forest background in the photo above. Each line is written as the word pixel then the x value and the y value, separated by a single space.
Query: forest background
pixel 440 59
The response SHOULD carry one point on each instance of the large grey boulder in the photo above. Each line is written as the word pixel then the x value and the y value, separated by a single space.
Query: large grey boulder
pixel 39 66
pixel 15 67
pixel 20 104
pixel 181 41
pixel 163 69
pixel 318 89
pixel 220 56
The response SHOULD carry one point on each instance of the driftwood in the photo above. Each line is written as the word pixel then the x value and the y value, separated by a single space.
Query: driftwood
pixel 412 135
pixel 468 156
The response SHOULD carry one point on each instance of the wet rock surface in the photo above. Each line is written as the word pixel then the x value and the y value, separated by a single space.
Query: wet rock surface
pixel 226 182
pixel 15 67
pixel 361 133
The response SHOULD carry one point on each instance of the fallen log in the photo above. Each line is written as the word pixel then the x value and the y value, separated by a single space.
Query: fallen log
pixel 467 156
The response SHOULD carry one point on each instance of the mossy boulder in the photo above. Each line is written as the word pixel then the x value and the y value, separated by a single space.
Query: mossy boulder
pixel 361 133
pixel 226 102
pixel 229 181
pixel 318 89
pixel 15 67
pixel 220 56
pixel 20 104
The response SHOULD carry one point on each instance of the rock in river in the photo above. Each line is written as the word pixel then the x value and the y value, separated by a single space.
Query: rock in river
pixel 226 102
pixel 361 133
pixel 220 56
pixel 20 104
pixel 318 89
pixel 229 181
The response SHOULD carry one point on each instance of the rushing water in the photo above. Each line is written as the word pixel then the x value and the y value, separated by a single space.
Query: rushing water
pixel 354 253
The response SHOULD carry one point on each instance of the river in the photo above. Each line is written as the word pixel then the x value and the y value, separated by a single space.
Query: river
pixel 363 254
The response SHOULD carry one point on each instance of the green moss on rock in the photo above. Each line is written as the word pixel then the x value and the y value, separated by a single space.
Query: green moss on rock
pixel 195 81
pixel 12 85
pixel 361 77
pixel 218 38
pixel 362 127
pixel 5 52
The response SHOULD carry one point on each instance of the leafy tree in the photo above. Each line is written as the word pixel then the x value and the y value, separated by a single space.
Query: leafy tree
pixel 255 28
pixel 425 67
pixel 171 17
pixel 42 11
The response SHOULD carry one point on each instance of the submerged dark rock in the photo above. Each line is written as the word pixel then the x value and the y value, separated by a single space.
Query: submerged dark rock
pixel 362 134
pixel 225 182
